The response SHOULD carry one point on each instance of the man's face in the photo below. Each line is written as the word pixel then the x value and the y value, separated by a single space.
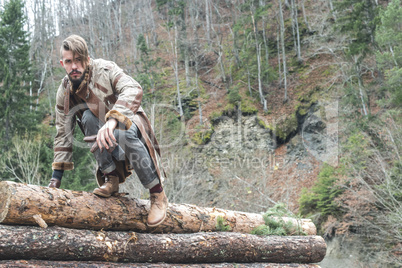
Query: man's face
pixel 73 65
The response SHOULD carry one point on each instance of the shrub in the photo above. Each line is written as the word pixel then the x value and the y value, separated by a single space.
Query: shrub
pixel 321 198
pixel 274 223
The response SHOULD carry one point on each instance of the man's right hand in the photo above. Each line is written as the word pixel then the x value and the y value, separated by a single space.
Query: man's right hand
pixel 54 183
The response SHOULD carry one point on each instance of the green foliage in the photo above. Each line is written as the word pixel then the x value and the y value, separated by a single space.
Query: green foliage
pixel 238 100
pixel 161 3
pixel 285 127
pixel 371 160
pixel 245 39
pixel 82 177
pixel 321 197
pixel 389 38
pixel 261 230
pixel 274 223
pixel 357 149
pixel 262 124
pixel 203 136
pixel 18 110
pixel 222 225
pixel 395 180
pixel 190 104
pixel 248 107
pixel 358 19
pixel 215 117
pixel 148 78
pixel 234 96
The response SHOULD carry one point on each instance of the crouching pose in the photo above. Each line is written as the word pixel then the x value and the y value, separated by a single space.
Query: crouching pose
pixel 106 103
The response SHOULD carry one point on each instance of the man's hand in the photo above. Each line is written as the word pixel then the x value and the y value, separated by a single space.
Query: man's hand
pixel 105 137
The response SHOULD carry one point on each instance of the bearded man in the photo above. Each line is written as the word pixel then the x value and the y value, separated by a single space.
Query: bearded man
pixel 106 103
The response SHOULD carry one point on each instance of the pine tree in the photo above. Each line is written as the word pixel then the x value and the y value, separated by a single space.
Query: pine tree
pixel 16 115
pixel 358 20
pixel 389 38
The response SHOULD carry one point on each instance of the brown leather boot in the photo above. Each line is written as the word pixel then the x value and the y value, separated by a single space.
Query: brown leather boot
pixel 157 213
pixel 110 187
pixel 54 183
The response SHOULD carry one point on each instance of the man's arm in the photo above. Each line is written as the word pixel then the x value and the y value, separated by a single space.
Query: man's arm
pixel 63 141
pixel 129 99
pixel 128 103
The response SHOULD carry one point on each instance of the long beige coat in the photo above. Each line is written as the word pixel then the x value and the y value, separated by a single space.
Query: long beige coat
pixel 110 93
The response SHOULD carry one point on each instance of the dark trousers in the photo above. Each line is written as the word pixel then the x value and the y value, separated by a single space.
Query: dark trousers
pixel 130 146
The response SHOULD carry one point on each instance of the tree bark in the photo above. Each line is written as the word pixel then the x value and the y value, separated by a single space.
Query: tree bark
pixel 83 210
pixel 93 264
pixel 282 33
pixel 58 243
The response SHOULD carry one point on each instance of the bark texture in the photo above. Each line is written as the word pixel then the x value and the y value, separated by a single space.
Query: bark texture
pixel 91 264
pixel 58 243
pixel 19 203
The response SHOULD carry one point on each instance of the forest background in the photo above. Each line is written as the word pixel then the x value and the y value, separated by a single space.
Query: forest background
pixel 255 103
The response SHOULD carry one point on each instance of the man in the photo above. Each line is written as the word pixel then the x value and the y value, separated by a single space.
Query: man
pixel 106 103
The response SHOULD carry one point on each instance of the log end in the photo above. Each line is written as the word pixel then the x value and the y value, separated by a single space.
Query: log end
pixel 309 227
pixel 319 249
pixel 5 194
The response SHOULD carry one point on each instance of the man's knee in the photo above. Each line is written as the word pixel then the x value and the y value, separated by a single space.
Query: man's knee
pixel 90 122
pixel 127 135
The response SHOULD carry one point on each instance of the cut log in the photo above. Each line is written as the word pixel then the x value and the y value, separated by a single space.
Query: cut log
pixel 82 210
pixel 59 243
pixel 91 264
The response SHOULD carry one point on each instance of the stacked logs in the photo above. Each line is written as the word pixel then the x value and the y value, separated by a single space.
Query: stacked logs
pixel 79 226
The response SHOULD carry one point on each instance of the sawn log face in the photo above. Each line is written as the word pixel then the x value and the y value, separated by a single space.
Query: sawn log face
pixel 58 243
pixel 19 203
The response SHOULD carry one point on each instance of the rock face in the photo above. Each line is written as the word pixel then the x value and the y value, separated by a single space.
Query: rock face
pixel 249 160
pixel 243 167
pixel 240 134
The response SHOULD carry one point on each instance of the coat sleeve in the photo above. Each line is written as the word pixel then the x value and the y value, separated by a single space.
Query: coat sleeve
pixel 63 141
pixel 129 98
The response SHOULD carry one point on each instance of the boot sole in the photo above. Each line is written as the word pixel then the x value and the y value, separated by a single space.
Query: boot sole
pixel 103 194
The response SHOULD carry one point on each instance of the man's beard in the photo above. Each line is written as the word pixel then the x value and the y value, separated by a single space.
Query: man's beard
pixel 76 82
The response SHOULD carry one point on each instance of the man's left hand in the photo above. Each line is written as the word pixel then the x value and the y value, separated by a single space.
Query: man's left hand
pixel 105 137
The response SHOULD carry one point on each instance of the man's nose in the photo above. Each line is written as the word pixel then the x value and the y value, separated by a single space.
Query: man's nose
pixel 74 65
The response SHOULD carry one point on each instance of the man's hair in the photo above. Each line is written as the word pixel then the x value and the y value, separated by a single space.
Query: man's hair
pixel 77 45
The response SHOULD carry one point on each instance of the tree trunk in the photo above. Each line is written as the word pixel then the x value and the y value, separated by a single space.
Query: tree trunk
pixel 58 243
pixel 208 23
pixel 296 22
pixel 92 264
pixel 258 49
pixel 282 27
pixel 176 69
pixel 305 17
pixel 82 210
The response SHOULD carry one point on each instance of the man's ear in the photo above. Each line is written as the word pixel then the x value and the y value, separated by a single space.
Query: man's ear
pixel 62 63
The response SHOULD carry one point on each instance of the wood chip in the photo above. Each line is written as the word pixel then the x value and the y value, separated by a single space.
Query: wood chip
pixel 40 221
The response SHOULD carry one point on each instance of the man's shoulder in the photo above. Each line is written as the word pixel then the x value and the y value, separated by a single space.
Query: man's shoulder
pixel 63 84
pixel 101 64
